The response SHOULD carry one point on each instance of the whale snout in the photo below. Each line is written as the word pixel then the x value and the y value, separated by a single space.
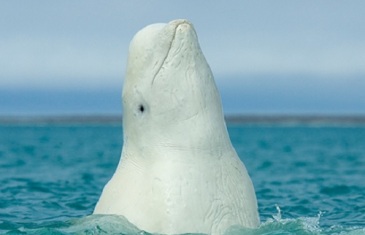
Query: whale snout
pixel 179 22
pixel 184 27
pixel 181 26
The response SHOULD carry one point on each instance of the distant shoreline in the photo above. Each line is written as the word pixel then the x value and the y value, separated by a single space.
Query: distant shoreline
pixel 300 119
pixel 244 118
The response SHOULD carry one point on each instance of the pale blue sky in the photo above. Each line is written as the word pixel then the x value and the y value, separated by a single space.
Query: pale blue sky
pixel 267 56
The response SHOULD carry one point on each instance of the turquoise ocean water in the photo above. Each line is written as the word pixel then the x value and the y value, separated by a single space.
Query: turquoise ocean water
pixel 309 179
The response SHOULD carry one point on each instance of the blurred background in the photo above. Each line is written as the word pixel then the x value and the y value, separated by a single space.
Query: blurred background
pixel 268 57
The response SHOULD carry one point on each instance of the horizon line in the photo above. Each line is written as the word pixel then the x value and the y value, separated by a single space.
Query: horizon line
pixel 229 118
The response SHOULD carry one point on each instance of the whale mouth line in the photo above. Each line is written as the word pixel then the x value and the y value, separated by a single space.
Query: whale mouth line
pixel 168 51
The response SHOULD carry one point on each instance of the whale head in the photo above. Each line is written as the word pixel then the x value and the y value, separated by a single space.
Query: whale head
pixel 169 93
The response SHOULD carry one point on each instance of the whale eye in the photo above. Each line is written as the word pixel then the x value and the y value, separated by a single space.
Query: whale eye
pixel 141 108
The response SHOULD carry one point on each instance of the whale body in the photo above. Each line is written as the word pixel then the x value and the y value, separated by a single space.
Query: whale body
pixel 178 171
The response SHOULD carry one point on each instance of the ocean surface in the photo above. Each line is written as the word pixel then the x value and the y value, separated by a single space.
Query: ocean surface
pixel 309 178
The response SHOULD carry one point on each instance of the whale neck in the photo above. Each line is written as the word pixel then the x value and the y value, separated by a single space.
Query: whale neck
pixel 198 133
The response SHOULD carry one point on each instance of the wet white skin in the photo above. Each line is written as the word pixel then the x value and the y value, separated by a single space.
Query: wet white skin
pixel 178 171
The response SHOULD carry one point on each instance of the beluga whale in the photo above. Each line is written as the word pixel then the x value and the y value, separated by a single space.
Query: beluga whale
pixel 178 172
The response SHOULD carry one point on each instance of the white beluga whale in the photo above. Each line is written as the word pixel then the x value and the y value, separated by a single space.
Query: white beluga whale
pixel 178 171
